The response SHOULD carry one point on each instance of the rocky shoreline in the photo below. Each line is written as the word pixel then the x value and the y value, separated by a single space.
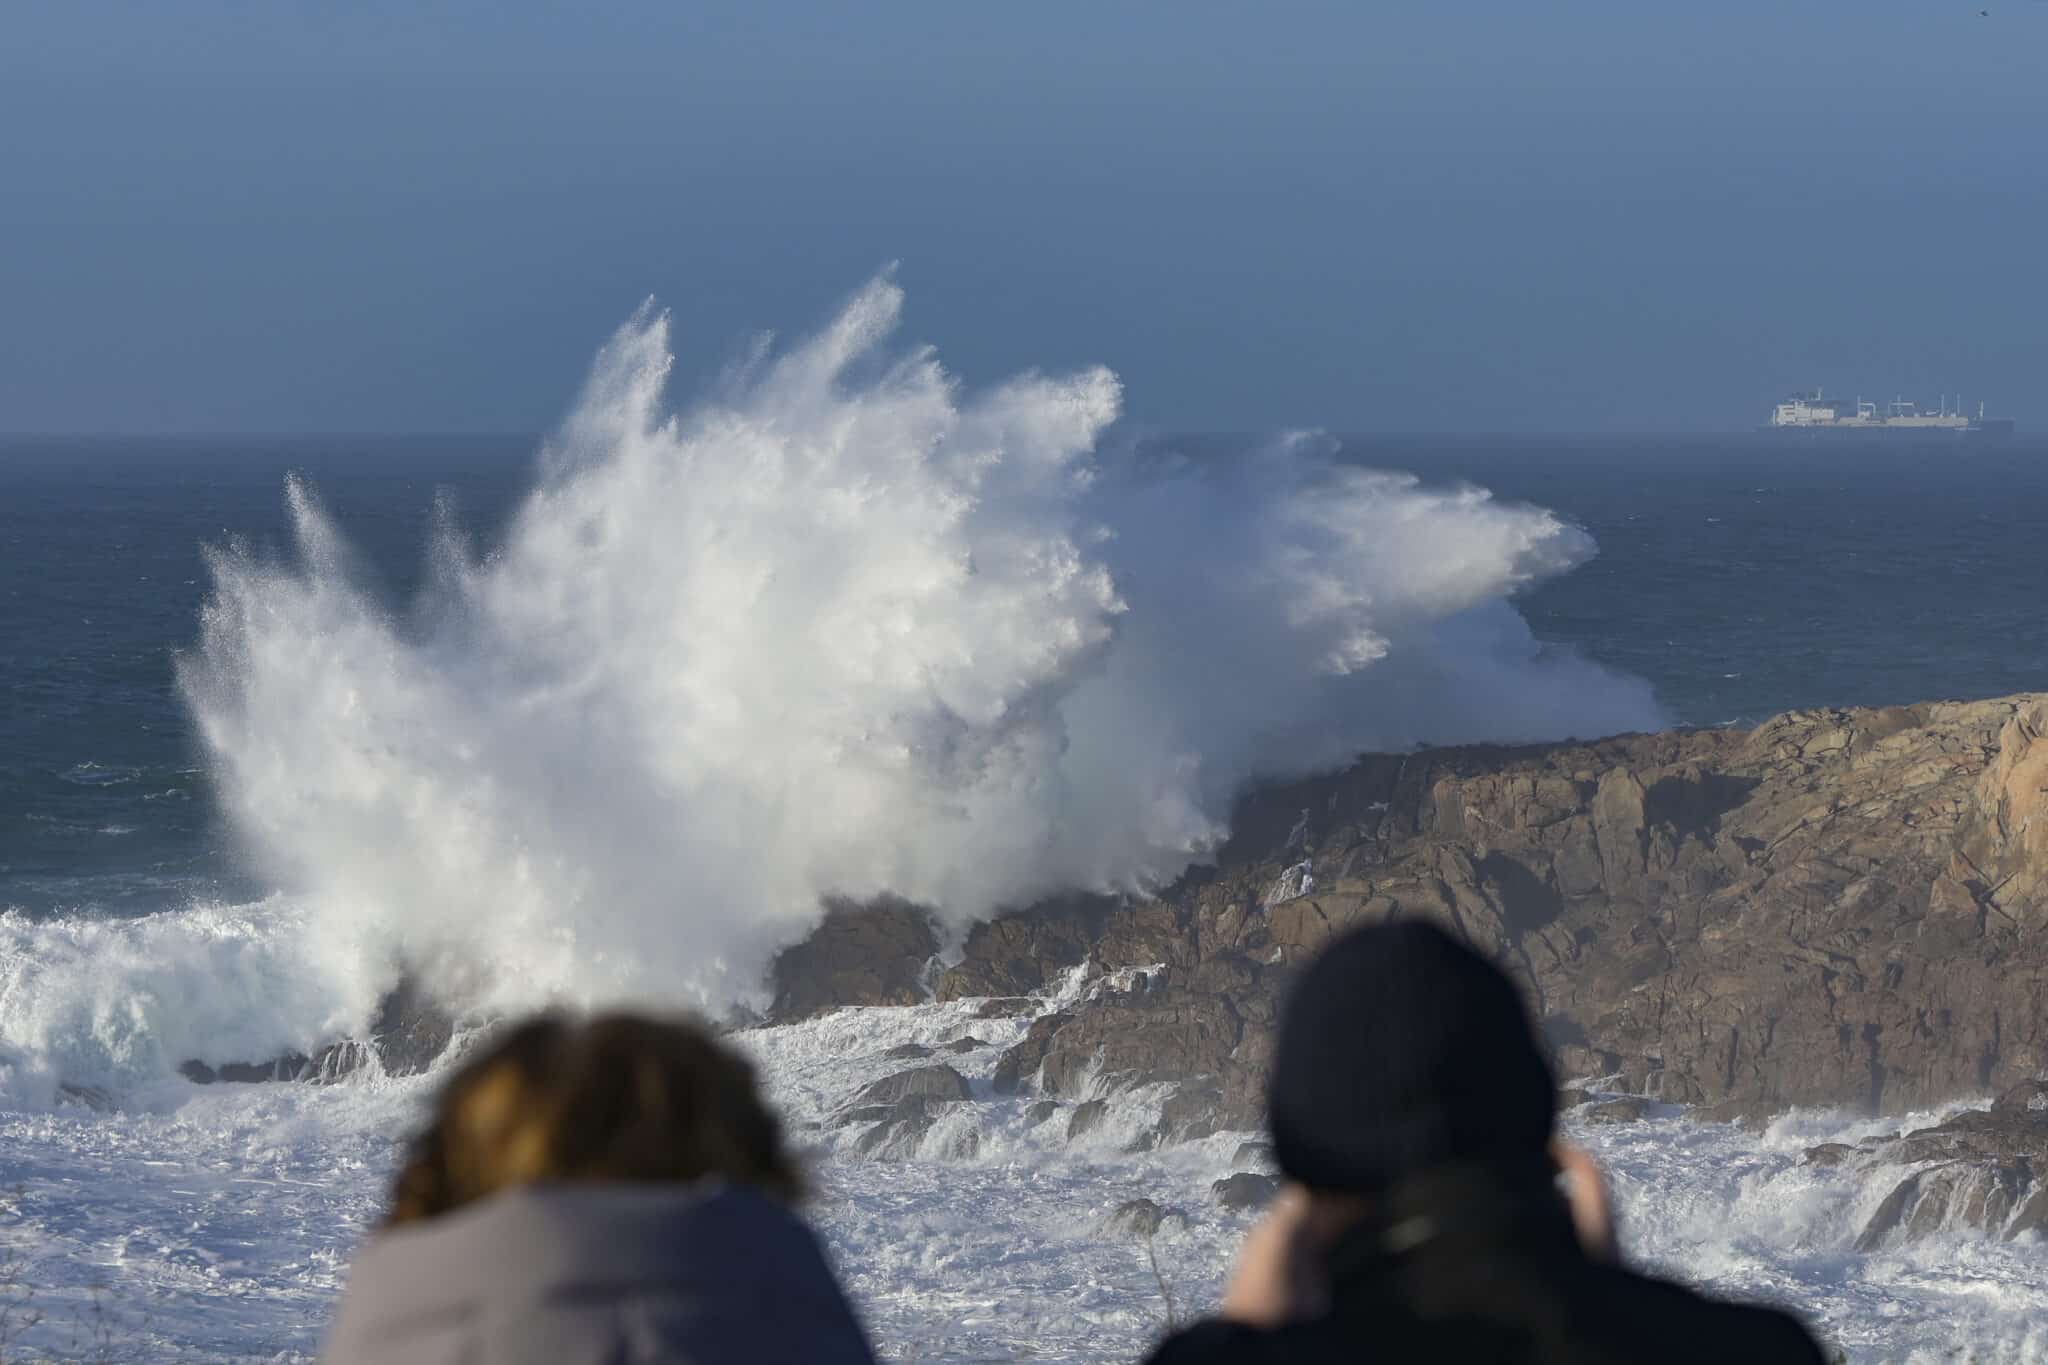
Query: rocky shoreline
pixel 1837 909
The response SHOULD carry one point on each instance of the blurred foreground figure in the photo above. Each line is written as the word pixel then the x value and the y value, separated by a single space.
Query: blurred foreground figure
pixel 612 1191
pixel 1412 1110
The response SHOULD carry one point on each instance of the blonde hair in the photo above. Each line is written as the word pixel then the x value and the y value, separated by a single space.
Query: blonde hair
pixel 621 1097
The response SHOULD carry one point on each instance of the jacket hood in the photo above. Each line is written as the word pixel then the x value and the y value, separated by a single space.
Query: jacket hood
pixel 599 1272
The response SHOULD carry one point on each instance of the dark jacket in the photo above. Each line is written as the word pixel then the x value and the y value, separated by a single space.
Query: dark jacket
pixel 616 1273
pixel 1467 1283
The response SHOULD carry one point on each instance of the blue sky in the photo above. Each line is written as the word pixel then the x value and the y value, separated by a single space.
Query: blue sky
pixel 280 216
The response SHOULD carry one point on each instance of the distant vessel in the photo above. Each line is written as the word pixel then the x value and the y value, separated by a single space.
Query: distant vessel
pixel 1801 413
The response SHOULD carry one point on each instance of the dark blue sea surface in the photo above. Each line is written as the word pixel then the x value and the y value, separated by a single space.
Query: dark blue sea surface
pixel 1740 577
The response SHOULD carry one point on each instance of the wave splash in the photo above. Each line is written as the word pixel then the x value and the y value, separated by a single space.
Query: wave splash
pixel 839 629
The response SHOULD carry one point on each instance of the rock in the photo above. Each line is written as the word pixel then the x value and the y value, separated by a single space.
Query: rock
pixel 1625 1109
pixel 1571 1097
pixel 1017 954
pixel 1839 908
pixel 408 1035
pixel 899 1132
pixel 1828 1154
pixel 2002 843
pixel 2028 1097
pixel 1577 1062
pixel 1258 1155
pixel 1957 1196
pixel 93 1097
pixel 968 1044
pixel 1019 1066
pixel 1039 1112
pixel 940 1084
pixel 1979 1171
pixel 1165 1036
pixel 1141 1219
pixel 1752 1115
pixel 1007 1007
pixel 411 1031
pixel 291 1066
pixel 907 1052
pixel 1245 1190
pixel 1190 1112
pixel 1086 1118
pixel 872 954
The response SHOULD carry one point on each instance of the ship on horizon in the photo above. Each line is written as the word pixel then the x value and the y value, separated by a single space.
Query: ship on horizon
pixel 1815 413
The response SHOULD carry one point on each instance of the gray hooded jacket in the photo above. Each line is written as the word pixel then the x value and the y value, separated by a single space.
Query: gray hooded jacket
pixel 617 1274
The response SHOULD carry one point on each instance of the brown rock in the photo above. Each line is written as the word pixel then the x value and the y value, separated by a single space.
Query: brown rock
pixel 1019 1066
pixel 1626 1109
pixel 1086 1118
pixel 940 1084
pixel 1245 1190
pixel 1141 1219
pixel 1837 908
pixel 858 955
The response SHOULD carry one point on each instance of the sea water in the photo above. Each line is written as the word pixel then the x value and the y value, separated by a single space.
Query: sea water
pixel 255 744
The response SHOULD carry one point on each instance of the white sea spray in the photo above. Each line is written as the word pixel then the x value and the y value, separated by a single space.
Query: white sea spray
pixel 839 628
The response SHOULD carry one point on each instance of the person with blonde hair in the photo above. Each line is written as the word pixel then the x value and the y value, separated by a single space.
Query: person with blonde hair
pixel 611 1190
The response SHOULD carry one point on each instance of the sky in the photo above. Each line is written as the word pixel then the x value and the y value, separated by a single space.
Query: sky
pixel 1487 216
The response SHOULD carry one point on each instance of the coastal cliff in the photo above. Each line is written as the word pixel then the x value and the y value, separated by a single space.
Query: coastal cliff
pixel 1838 908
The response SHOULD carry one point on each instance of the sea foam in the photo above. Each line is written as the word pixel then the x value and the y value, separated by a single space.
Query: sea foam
pixel 839 628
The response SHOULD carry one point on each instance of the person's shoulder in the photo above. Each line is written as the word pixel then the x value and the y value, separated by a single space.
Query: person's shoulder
pixel 1216 1342
pixel 1207 1341
pixel 1694 1326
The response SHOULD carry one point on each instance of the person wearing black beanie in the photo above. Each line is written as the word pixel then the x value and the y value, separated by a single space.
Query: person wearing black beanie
pixel 1412 1111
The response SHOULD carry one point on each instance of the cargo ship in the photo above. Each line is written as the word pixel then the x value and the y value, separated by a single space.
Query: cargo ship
pixel 1803 413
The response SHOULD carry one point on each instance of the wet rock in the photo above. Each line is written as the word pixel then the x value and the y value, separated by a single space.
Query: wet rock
pixel 408 1035
pixel 857 1114
pixel 940 1084
pixel 92 1097
pixel 1086 1118
pixel 874 954
pixel 1624 1109
pixel 1829 1154
pixel 1751 1115
pixel 411 1031
pixel 1979 1171
pixel 2028 1097
pixel 1007 1007
pixel 1838 908
pixel 1039 1112
pixel 968 1044
pixel 1168 1036
pixel 1257 1155
pixel 1571 1097
pixel 900 1130
pixel 907 1052
pixel 1019 1066
pixel 1956 1196
pixel 1245 1190
pixel 1191 1112
pixel 1016 954
pixel 1141 1219
pixel 1576 1061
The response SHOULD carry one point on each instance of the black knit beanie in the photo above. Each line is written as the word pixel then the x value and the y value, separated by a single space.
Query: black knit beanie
pixel 1402 1049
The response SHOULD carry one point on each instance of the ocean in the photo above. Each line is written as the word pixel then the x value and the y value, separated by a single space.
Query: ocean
pixel 260 742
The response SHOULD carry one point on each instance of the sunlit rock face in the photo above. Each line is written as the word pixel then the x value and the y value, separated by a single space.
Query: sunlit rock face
pixel 1831 910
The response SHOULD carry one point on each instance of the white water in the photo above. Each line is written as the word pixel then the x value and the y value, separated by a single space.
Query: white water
pixel 220 1220
pixel 839 627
